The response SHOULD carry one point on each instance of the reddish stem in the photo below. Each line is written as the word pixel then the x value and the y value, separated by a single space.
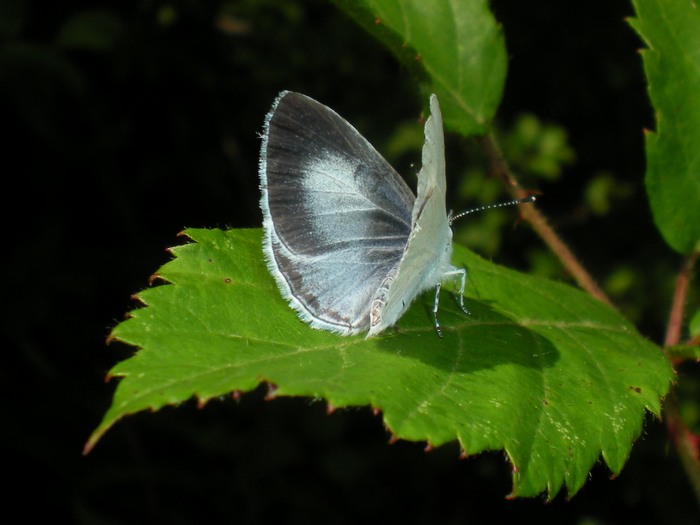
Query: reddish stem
pixel 686 442
pixel 675 319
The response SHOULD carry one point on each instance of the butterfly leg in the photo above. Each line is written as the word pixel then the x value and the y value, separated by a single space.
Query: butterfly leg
pixel 436 306
pixel 462 275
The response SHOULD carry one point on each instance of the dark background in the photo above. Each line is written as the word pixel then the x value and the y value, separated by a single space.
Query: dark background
pixel 115 139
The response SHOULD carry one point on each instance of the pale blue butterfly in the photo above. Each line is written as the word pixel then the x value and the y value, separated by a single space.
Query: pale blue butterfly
pixel 348 244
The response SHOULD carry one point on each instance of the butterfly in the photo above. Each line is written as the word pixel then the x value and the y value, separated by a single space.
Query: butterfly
pixel 347 242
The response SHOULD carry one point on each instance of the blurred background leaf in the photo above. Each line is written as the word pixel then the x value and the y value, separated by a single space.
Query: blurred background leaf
pixel 93 30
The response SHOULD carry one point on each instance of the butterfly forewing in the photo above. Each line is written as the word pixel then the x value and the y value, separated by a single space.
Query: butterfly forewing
pixel 337 217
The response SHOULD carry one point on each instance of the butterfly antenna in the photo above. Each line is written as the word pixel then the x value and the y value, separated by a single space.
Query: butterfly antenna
pixel 525 200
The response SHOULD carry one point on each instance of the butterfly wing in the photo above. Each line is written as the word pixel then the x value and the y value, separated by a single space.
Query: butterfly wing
pixel 337 216
pixel 427 255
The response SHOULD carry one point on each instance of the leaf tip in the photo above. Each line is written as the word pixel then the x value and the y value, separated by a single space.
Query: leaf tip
pixel 136 298
pixel 95 437
pixel 89 445
pixel 236 395
pixel 329 409
pixel 271 392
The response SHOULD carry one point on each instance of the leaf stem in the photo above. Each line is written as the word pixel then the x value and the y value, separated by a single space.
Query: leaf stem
pixel 499 166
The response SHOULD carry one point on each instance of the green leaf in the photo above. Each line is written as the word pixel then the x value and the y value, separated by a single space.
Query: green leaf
pixel 671 31
pixel 538 369
pixel 458 45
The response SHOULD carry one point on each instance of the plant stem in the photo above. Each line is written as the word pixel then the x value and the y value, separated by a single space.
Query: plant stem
pixel 499 166
pixel 685 441
pixel 675 320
